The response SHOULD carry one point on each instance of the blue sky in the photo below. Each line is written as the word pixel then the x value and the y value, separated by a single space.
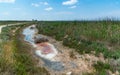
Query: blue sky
pixel 58 9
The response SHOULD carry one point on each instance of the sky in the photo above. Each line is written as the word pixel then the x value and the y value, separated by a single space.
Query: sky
pixel 58 9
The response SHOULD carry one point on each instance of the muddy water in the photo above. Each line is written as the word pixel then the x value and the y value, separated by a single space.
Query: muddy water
pixel 48 59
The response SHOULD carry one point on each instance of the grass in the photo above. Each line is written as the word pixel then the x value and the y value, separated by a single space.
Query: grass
pixel 6 54
pixel 83 36
pixel 15 56
pixel 101 68
pixel 24 61
pixel 11 22
pixel 86 36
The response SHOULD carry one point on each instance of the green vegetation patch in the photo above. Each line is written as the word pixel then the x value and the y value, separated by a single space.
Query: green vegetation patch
pixel 86 36
pixel 15 56
pixel 25 63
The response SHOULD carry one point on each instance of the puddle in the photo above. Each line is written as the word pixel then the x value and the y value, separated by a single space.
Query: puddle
pixel 56 66
pixel 29 35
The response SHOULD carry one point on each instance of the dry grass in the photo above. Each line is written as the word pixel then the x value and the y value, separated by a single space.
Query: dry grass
pixel 6 59
pixel 8 52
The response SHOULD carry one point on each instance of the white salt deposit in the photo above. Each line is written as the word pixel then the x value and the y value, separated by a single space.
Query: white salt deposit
pixel 68 73
pixel 49 56
pixel 29 37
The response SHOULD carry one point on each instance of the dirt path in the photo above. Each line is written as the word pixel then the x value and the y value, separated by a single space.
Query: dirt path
pixel 67 61
pixel 2 26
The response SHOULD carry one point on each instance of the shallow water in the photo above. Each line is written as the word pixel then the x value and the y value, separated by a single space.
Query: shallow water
pixel 29 35
pixel 54 65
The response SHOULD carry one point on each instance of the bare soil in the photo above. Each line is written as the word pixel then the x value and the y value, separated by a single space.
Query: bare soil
pixel 70 62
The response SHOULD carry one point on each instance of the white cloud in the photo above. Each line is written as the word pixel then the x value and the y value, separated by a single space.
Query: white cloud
pixel 35 5
pixel 7 1
pixel 40 3
pixel 45 3
pixel 49 9
pixel 73 7
pixel 70 2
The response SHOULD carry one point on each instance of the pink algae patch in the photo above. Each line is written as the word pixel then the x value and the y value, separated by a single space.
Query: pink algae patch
pixel 45 48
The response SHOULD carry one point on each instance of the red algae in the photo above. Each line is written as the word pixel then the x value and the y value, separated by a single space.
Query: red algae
pixel 45 48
